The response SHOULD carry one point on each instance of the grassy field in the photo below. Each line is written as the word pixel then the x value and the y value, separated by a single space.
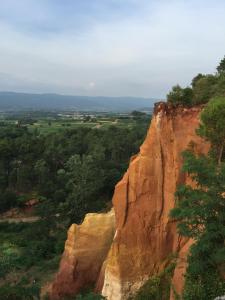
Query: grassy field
pixel 46 125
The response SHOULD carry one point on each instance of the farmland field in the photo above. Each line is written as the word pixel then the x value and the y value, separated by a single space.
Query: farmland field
pixel 45 124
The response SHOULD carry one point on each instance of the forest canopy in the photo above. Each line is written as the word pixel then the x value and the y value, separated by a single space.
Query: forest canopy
pixel 203 88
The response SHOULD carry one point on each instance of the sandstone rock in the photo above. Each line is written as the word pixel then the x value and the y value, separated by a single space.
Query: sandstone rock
pixel 85 251
pixel 145 236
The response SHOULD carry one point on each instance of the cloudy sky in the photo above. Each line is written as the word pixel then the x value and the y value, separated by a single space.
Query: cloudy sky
pixel 108 47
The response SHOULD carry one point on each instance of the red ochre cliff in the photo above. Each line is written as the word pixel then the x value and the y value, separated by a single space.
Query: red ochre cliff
pixel 144 235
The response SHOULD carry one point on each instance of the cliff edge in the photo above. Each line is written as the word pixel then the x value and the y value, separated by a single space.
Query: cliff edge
pixel 145 236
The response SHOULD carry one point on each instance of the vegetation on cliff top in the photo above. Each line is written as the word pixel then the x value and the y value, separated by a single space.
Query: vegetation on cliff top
pixel 201 209
pixel 202 89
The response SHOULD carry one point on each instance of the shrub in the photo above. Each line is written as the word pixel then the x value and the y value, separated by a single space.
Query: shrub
pixel 204 89
pixel 207 289
pixel 158 286
pixel 19 292
pixel 179 95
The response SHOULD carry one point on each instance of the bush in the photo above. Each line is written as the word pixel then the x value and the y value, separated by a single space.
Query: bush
pixel 197 289
pixel 19 292
pixel 179 95
pixel 158 286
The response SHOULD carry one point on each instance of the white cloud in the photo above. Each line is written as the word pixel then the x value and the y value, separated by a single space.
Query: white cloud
pixel 142 54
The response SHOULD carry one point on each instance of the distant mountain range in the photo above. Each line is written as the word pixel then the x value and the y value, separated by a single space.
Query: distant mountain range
pixel 24 101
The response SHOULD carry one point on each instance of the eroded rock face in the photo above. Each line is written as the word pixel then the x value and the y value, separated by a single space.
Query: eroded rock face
pixel 145 237
pixel 86 248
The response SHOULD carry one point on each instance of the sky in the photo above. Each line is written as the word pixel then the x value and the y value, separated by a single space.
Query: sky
pixel 135 48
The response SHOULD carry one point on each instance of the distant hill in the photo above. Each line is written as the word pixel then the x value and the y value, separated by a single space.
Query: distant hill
pixel 24 101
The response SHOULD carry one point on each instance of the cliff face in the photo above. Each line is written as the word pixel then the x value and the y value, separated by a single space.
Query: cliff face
pixel 145 237
pixel 85 251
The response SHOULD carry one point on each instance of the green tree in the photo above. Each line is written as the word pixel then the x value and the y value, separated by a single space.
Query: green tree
pixel 220 86
pixel 196 79
pixel 204 89
pixel 41 170
pixel 221 66
pixel 179 95
pixel 213 125
pixel 200 210
pixel 201 215
pixel 85 180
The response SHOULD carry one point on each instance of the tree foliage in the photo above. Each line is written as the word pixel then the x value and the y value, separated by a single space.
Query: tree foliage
pixel 203 88
pixel 221 66
pixel 71 173
pixel 213 125
pixel 200 210
pixel 179 95
pixel 75 170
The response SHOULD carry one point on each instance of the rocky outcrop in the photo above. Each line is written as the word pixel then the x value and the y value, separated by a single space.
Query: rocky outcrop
pixel 86 248
pixel 145 236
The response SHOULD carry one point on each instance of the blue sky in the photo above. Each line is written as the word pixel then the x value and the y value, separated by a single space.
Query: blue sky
pixel 108 47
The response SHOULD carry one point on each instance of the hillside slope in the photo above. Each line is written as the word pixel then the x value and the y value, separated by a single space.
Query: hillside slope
pixel 25 101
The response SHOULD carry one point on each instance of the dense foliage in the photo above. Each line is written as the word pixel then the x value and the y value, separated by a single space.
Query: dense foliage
pixel 203 88
pixel 70 173
pixel 213 126
pixel 179 95
pixel 29 253
pixel 75 170
pixel 201 209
